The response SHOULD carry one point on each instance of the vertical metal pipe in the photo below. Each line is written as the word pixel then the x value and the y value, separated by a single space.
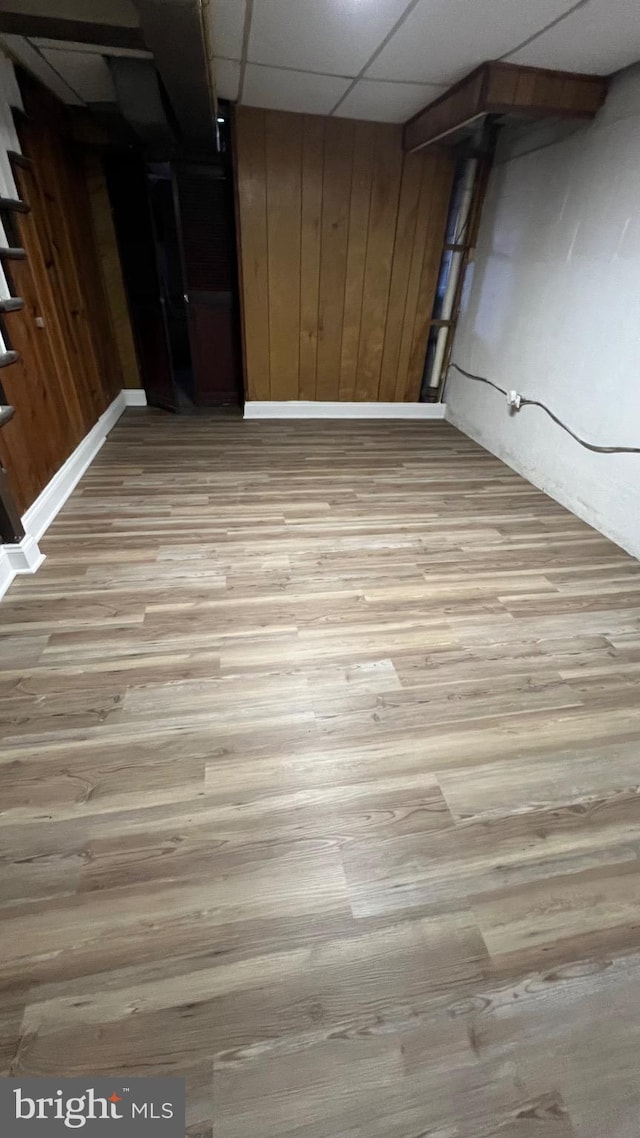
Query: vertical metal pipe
pixel 457 260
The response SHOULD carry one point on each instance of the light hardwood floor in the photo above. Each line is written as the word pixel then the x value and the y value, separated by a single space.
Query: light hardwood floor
pixel 320 787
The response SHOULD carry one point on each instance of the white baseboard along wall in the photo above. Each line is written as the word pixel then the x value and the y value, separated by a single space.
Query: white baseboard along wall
pixel 306 409
pixel 26 556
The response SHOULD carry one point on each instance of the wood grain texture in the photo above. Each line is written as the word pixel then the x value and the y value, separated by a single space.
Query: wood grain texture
pixel 331 218
pixel 283 142
pixel 381 242
pixel 311 220
pixel 496 87
pixel 339 137
pixel 68 370
pixel 319 788
pixel 359 210
pixel 106 244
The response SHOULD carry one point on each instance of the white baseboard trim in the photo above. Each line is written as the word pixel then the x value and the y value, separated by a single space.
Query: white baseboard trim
pixel 40 515
pixel 6 572
pixel 322 409
pixel 134 397
pixel 26 556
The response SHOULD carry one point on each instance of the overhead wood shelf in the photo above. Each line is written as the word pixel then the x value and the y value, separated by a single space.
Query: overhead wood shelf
pixel 504 89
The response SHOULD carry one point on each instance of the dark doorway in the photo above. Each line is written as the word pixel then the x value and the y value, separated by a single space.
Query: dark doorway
pixel 127 182
pixel 176 234
pixel 205 206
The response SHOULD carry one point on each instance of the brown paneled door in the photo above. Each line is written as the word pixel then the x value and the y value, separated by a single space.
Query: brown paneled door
pixel 206 212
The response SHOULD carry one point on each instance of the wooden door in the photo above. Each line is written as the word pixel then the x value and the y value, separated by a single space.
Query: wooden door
pixel 208 245
pixel 128 192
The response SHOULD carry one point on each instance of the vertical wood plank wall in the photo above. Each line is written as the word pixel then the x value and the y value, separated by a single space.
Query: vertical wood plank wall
pixel 68 369
pixel 340 238
pixel 111 269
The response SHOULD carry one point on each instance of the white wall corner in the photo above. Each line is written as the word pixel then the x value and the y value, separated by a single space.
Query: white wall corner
pixel 20 557
pixel 25 556
pixel 134 397
pixel 6 572
pixel 307 409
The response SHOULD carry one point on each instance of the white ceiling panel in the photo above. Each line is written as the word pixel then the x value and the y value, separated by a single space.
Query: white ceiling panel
pixel 227 27
pixel 600 37
pixel 87 74
pixel 291 90
pixel 442 40
pixel 227 73
pixel 332 36
pixel 387 102
pixel 24 53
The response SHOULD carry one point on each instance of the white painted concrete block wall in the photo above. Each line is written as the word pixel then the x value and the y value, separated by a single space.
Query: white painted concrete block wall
pixel 552 309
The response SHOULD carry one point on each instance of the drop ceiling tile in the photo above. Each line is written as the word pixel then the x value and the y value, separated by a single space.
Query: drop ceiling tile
pixel 442 40
pixel 24 53
pixel 331 36
pixel 227 27
pixel 227 72
pixel 387 102
pixel 291 90
pixel 86 73
pixel 600 37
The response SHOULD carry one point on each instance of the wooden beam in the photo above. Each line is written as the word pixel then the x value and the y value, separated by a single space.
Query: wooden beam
pixel 74 31
pixel 504 89
pixel 173 33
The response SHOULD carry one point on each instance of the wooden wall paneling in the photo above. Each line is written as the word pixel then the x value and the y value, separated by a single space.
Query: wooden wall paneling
pixel 441 179
pixel 311 219
pixel 361 178
pixel 334 221
pixel 98 322
pixel 111 270
pixel 26 466
pixel 284 189
pixel 336 200
pixel 430 165
pixel 403 246
pixel 48 152
pixel 383 212
pixel 252 235
pixel 34 389
pixel 35 236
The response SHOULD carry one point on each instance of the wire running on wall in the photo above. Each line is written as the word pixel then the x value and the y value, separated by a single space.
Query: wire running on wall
pixel 523 401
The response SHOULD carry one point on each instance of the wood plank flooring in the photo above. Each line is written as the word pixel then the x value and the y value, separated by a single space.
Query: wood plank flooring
pixel 320 787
